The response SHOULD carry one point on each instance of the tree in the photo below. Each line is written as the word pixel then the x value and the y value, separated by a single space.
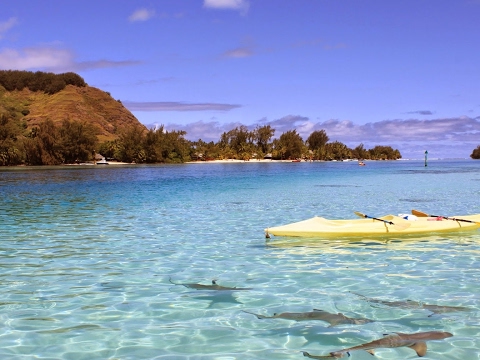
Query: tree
pixel 130 145
pixel 152 145
pixel 164 146
pixel 238 143
pixel 78 141
pixel 200 150
pixel 71 78
pixel 289 146
pixel 380 152
pixel 39 81
pixel 43 145
pixel 317 140
pixel 360 152
pixel 109 149
pixel 10 153
pixel 316 144
pixel 476 153
pixel 337 151
pixel 262 136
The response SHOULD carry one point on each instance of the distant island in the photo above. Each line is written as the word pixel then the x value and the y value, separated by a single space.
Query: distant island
pixel 53 119
pixel 476 153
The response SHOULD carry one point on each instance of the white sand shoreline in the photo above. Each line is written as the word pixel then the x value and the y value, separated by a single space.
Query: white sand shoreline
pixel 229 161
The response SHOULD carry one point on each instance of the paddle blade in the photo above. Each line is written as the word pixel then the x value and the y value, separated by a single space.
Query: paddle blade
pixel 419 213
pixel 401 226
pixel 360 214
pixel 422 214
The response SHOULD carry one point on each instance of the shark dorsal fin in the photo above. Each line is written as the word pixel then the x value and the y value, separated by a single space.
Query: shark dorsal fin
pixel 371 352
pixel 420 348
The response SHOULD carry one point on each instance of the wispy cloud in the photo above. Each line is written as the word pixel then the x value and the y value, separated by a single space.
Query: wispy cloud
pixel 241 5
pixel 102 64
pixel 52 59
pixel 421 112
pixel 7 25
pixel 177 106
pixel 240 52
pixel 142 14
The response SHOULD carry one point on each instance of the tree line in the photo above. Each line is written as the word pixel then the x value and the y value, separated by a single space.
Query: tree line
pixel 76 141
pixel 49 83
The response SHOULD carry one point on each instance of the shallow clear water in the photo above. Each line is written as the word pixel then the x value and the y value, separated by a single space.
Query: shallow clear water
pixel 88 258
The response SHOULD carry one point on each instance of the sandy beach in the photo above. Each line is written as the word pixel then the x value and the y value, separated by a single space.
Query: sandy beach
pixel 228 161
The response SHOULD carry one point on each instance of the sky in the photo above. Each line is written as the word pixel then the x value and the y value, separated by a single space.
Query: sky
pixel 401 73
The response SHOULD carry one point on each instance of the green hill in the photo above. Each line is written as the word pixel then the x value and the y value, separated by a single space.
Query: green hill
pixel 86 104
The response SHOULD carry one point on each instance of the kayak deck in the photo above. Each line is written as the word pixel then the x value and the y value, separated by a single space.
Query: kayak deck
pixel 391 224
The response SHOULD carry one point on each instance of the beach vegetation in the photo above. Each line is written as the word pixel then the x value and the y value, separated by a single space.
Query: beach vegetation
pixel 131 145
pixel 161 146
pixel 337 150
pixel 317 140
pixel 289 145
pixel 48 144
pixel 10 147
pixel 263 136
pixel 201 150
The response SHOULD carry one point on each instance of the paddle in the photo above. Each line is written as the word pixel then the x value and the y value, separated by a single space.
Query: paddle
pixel 422 214
pixel 396 226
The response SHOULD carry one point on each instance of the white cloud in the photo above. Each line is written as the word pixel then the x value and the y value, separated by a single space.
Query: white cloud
pixel 35 58
pixel 141 15
pixel 241 5
pixel 7 25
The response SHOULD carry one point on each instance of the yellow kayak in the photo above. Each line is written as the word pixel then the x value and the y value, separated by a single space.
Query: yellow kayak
pixel 385 225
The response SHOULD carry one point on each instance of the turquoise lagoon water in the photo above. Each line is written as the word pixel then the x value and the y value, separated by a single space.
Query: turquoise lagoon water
pixel 89 255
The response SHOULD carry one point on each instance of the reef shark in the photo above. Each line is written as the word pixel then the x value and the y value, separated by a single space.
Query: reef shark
pixel 212 286
pixel 410 304
pixel 332 319
pixel 413 341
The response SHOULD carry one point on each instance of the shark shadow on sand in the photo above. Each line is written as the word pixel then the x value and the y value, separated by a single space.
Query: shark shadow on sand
pixel 213 286
pixel 216 293
pixel 218 298
pixel 413 341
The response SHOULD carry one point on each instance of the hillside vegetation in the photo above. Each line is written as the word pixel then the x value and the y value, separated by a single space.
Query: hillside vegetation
pixel 49 119
pixel 29 103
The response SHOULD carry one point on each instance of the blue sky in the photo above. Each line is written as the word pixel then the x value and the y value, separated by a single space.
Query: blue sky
pixel 404 73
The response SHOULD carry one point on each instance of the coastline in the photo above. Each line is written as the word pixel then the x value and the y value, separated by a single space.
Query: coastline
pixel 236 161
pixel 99 163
